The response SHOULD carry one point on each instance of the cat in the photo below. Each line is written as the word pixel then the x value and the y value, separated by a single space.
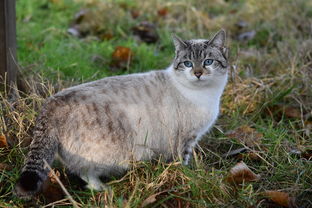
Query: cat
pixel 97 128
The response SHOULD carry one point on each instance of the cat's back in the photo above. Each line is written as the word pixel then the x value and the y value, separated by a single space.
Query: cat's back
pixel 116 87
pixel 108 94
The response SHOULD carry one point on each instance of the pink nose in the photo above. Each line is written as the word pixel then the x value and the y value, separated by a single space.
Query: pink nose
pixel 198 74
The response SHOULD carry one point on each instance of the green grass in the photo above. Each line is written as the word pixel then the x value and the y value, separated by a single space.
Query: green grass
pixel 271 70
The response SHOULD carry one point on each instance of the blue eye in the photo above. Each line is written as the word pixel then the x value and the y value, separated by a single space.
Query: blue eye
pixel 208 62
pixel 188 64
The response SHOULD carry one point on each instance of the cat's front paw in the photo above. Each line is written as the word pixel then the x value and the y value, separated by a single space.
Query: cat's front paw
pixel 97 186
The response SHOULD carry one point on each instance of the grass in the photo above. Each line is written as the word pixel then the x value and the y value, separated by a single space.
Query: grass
pixel 269 90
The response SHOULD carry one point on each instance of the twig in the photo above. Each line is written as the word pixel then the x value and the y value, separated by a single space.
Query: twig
pixel 75 204
pixel 55 203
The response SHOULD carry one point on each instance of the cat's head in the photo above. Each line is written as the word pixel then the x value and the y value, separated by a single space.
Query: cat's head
pixel 201 62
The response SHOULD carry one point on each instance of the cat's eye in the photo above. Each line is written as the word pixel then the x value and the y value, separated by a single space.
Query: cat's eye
pixel 208 62
pixel 188 64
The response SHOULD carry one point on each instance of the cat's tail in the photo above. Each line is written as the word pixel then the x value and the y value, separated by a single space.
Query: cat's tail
pixel 42 148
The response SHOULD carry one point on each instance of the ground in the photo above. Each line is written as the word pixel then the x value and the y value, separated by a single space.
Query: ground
pixel 266 111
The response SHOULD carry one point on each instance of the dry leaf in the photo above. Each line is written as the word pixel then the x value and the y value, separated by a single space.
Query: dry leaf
pixel 280 198
pixel 3 142
pixel 151 199
pixel 246 135
pixel 52 177
pixel 282 110
pixel 121 57
pixel 146 32
pixel 122 53
pixel 162 12
pixel 4 166
pixel 307 154
pixel 51 190
pixel 135 14
pixel 292 112
pixel 241 173
pixel 106 36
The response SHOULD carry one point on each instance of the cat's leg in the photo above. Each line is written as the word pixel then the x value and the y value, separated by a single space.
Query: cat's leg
pixel 93 181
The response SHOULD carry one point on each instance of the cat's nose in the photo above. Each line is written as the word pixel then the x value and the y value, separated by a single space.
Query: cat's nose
pixel 198 74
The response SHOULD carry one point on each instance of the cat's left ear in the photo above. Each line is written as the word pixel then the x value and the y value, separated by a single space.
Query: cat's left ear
pixel 218 39
pixel 178 43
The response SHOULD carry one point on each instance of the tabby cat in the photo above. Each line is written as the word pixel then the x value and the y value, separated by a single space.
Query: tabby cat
pixel 97 128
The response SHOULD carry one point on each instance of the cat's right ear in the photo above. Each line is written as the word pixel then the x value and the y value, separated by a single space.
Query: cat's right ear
pixel 178 43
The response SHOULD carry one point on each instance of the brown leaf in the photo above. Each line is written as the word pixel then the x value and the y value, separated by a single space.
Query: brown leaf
pixel 52 177
pixel 3 141
pixel 307 154
pixel 162 12
pixel 280 198
pixel 121 57
pixel 51 190
pixel 122 53
pixel 151 199
pixel 282 110
pixel 135 14
pixel 292 112
pixel 4 166
pixel 246 135
pixel 106 36
pixel 241 173
pixel 146 32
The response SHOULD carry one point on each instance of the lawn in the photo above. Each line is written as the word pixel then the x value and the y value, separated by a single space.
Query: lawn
pixel 265 126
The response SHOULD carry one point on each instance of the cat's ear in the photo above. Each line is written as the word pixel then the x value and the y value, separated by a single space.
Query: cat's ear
pixel 218 39
pixel 178 43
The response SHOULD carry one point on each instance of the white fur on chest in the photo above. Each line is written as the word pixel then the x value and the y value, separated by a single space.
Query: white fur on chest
pixel 206 99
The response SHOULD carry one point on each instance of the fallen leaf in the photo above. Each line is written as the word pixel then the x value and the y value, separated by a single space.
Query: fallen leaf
pixel 122 53
pixel 121 57
pixel 3 141
pixel 52 177
pixel 151 199
pixel 162 12
pixel 51 190
pixel 146 32
pixel 292 112
pixel 246 135
pixel 135 14
pixel 282 110
pixel 280 198
pixel 241 173
pixel 4 166
pixel 307 154
pixel 106 36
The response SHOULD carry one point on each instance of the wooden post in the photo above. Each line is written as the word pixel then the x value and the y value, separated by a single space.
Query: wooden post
pixel 8 65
